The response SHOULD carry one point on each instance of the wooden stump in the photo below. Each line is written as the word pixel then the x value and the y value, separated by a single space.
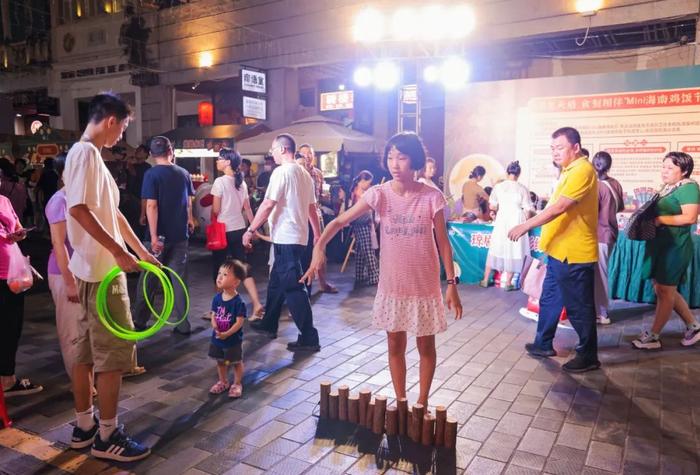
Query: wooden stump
pixel 440 418
pixel 450 433
pixel 392 420
pixel 403 415
pixel 325 391
pixel 418 413
pixel 365 396
pixel 370 416
pixel 428 432
pixel 379 415
pixel 333 406
pixel 354 409
pixel 343 393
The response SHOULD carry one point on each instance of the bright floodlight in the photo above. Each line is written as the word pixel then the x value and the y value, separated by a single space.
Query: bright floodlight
pixel 386 76
pixel 588 6
pixel 432 23
pixel 404 24
pixel 205 59
pixel 460 21
pixel 362 76
pixel 369 26
pixel 454 73
pixel 431 73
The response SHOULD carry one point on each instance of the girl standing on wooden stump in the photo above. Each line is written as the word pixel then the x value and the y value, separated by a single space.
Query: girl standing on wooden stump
pixel 409 297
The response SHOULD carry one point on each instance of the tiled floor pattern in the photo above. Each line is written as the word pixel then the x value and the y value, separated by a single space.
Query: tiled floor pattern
pixel 517 415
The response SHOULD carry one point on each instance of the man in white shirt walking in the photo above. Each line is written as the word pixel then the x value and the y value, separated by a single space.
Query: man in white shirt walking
pixel 290 205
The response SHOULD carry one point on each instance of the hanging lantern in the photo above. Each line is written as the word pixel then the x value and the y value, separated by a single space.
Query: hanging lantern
pixel 206 113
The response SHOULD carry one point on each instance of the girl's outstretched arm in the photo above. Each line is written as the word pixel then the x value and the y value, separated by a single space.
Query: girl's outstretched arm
pixel 451 296
pixel 319 256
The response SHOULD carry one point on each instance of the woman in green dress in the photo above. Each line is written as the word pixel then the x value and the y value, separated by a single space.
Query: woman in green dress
pixel 669 253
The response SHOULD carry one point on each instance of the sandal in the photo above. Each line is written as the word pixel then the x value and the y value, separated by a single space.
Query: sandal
pixel 329 289
pixel 135 371
pixel 484 284
pixel 235 391
pixel 509 288
pixel 22 387
pixel 218 388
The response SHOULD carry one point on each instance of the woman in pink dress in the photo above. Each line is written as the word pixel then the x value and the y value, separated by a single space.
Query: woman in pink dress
pixel 409 297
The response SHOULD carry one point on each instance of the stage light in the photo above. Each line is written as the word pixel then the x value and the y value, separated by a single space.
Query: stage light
pixel 363 76
pixel 454 73
pixel 341 87
pixel 206 60
pixel 432 23
pixel 404 24
pixel 588 7
pixel 368 26
pixel 431 73
pixel 460 21
pixel 386 76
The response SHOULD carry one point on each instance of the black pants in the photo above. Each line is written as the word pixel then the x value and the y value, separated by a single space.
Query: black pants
pixel 234 250
pixel 12 306
pixel 285 286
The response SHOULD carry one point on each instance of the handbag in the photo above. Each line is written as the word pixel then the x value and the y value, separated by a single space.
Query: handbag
pixel 533 278
pixel 216 235
pixel 641 225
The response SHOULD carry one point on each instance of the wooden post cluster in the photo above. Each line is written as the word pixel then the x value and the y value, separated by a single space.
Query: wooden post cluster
pixel 415 423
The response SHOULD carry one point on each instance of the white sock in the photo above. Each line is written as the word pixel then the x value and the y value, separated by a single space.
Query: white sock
pixel 85 420
pixel 107 426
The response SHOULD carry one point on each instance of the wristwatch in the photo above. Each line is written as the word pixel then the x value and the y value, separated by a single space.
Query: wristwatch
pixel 454 281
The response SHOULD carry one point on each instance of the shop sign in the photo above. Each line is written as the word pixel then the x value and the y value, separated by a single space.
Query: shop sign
pixel 336 100
pixel 253 81
pixel 254 108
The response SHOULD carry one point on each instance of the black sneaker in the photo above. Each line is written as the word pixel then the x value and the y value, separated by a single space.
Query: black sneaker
pixel 119 447
pixel 83 438
pixel 580 365
pixel 535 350
pixel 22 387
pixel 297 346
pixel 258 327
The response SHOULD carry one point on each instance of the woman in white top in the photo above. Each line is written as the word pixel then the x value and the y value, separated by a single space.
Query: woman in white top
pixel 511 201
pixel 426 175
pixel 231 207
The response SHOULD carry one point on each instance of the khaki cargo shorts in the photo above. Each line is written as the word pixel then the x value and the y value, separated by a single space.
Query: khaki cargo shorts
pixel 96 345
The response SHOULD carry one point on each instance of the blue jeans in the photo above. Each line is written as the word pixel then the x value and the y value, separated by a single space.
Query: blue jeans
pixel 284 286
pixel 571 286
pixel 174 256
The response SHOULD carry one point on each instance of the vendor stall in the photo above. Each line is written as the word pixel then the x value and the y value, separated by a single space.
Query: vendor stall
pixel 470 246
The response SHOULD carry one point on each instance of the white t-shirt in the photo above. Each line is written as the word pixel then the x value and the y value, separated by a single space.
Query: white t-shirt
pixel 293 189
pixel 88 182
pixel 231 202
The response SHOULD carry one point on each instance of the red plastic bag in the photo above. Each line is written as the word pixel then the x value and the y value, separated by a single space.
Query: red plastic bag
pixel 19 271
pixel 216 235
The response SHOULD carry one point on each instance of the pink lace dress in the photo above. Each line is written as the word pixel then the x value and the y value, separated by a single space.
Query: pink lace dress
pixel 409 297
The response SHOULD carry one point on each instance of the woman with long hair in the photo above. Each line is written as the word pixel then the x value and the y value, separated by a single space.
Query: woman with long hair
pixel 426 174
pixel 366 262
pixel 232 207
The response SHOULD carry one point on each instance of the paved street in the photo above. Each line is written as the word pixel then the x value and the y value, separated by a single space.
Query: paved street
pixel 640 414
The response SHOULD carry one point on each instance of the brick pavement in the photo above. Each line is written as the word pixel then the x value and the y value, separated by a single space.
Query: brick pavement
pixel 517 415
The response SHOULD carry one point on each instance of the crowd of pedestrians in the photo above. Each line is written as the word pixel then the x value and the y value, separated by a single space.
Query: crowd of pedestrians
pixel 401 217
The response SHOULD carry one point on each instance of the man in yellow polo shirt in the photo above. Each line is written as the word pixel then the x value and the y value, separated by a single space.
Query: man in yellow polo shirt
pixel 569 238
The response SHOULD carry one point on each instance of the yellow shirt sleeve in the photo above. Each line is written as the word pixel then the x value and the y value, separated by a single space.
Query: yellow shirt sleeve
pixel 578 183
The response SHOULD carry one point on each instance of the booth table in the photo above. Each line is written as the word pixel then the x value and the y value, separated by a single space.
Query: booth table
pixel 470 246
pixel 625 274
